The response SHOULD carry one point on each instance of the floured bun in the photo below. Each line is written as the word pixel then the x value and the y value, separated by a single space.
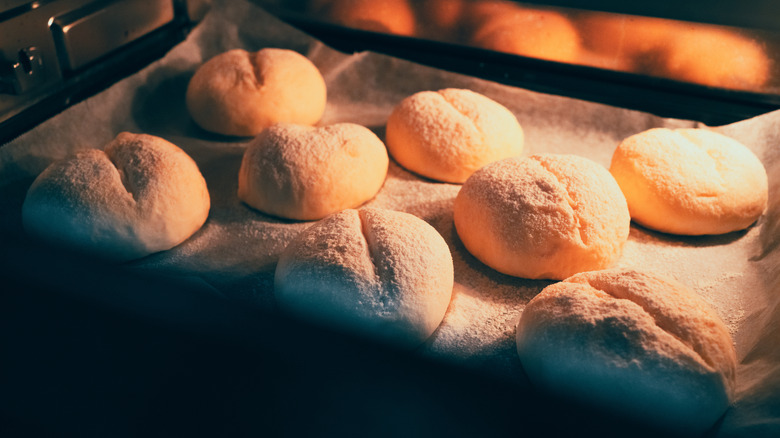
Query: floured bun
pixel 546 216
pixel 305 173
pixel 139 196
pixel 632 344
pixel 241 93
pixel 690 181
pixel 448 134
pixel 375 272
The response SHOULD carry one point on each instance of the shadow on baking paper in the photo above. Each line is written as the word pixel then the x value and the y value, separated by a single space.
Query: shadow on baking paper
pixel 12 197
pixel 646 235
pixel 159 108
pixel 479 336
pixel 480 277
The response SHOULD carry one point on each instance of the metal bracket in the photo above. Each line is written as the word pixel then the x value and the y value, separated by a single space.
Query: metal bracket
pixel 26 72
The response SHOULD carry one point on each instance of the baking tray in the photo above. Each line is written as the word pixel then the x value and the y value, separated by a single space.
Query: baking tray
pixel 189 340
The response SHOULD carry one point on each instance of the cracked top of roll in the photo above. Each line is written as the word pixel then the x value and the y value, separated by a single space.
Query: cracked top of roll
pixel 544 216
pixel 448 134
pixel 141 195
pixel 633 342
pixel 372 271
pixel 306 173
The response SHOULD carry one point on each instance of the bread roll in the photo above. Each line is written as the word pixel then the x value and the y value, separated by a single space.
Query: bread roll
pixel 717 57
pixel 382 273
pixel 690 181
pixel 633 37
pixel 536 33
pixel 305 173
pixel 241 93
pixel 632 344
pixel 385 16
pixel 448 134
pixel 546 216
pixel 690 52
pixel 139 196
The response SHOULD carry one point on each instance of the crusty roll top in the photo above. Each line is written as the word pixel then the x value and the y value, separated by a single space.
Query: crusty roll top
pixel 383 273
pixel 141 195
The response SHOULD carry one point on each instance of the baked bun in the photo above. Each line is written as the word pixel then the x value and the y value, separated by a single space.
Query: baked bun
pixel 536 33
pixel 139 196
pixel 385 16
pixel 448 134
pixel 305 173
pixel 241 93
pixel 632 344
pixel 382 273
pixel 546 216
pixel 717 57
pixel 690 181
pixel 623 36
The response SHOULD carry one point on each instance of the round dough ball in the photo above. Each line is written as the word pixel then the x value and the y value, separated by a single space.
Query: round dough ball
pixel 690 181
pixel 632 344
pixel 385 16
pixel 546 216
pixel 305 173
pixel 378 272
pixel 241 93
pixel 139 196
pixel 448 134
pixel 535 33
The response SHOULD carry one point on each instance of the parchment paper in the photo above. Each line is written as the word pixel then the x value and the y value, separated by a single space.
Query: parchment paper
pixel 235 253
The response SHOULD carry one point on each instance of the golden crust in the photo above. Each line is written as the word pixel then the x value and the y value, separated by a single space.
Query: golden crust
pixel 448 134
pixel 386 16
pixel 718 58
pixel 241 93
pixel 690 181
pixel 537 33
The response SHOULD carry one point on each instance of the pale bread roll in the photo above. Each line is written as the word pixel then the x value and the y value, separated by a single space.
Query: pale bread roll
pixel 633 344
pixel 690 181
pixel 305 173
pixel 241 93
pixel 139 196
pixel 546 216
pixel 448 134
pixel 635 38
pixel 380 273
